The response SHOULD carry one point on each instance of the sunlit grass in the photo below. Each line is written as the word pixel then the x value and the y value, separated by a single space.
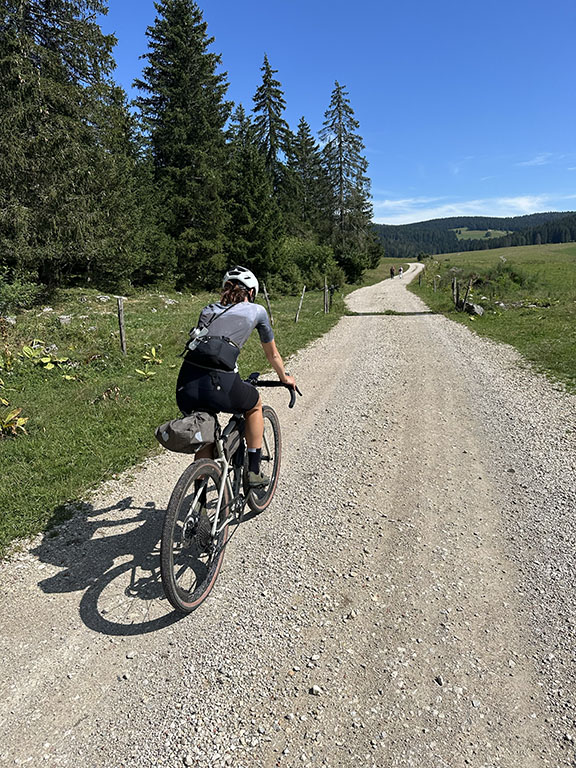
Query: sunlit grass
pixel 538 315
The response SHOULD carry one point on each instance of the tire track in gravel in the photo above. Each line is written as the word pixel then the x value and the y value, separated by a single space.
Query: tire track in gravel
pixel 388 572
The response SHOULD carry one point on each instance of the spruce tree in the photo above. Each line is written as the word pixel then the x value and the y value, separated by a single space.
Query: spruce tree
pixel 271 129
pixel 62 171
pixel 184 113
pixel 240 132
pixel 256 222
pixel 311 186
pixel 346 168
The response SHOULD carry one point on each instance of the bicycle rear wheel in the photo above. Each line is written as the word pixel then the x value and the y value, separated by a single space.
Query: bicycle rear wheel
pixel 190 555
pixel 259 498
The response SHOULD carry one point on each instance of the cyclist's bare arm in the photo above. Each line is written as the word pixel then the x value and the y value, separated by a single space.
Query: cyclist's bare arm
pixel 275 360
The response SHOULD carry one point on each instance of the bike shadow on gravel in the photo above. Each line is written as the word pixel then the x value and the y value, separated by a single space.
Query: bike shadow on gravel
pixel 112 556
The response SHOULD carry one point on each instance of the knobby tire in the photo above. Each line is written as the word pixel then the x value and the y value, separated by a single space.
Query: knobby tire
pixel 258 500
pixel 190 559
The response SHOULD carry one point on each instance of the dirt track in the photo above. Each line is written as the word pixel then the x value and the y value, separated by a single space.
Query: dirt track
pixel 417 566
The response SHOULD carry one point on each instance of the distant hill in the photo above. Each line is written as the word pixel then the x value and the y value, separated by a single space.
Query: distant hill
pixel 440 235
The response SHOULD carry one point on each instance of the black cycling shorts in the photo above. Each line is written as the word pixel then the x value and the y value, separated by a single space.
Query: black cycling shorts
pixel 198 389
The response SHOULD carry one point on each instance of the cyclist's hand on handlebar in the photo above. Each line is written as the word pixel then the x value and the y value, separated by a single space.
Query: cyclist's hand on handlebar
pixel 290 381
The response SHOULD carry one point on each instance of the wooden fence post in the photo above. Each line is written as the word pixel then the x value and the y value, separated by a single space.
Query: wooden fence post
pixel 120 300
pixel 268 302
pixel 466 294
pixel 325 296
pixel 300 305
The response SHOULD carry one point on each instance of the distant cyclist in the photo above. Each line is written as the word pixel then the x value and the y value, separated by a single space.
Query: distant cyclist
pixel 209 380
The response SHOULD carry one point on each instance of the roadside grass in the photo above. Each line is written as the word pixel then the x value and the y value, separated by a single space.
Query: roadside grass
pixel 93 415
pixel 529 297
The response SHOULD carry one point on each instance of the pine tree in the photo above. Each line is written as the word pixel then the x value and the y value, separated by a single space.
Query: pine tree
pixel 241 132
pixel 346 168
pixel 184 113
pixel 271 129
pixel 256 222
pixel 62 171
pixel 311 187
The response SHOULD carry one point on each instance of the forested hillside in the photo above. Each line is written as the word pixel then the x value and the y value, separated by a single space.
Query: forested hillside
pixel 440 235
pixel 177 186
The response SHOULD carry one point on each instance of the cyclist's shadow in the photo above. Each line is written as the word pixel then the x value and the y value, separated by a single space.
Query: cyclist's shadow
pixel 119 570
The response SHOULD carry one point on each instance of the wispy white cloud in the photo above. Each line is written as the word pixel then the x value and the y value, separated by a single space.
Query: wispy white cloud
pixel 411 210
pixel 542 159
pixel 457 165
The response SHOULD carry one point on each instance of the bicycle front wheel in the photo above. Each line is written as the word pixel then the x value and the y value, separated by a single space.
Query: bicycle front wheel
pixel 194 535
pixel 259 498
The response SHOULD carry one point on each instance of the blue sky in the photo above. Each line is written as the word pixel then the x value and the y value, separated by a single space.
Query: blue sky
pixel 465 108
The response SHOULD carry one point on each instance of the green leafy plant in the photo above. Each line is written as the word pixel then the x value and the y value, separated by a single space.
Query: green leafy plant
pixel 146 373
pixel 48 362
pixel 11 423
pixel 33 351
pixel 6 360
pixel 3 400
pixel 36 353
pixel 151 358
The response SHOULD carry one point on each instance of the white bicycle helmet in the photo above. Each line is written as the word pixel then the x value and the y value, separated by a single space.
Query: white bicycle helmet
pixel 244 277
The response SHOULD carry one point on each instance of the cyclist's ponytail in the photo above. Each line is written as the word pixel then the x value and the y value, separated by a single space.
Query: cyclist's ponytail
pixel 233 293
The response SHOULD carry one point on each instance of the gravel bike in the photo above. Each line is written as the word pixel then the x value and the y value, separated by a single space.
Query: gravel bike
pixel 211 495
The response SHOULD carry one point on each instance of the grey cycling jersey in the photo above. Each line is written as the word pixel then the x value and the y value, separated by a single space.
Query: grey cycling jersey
pixel 237 322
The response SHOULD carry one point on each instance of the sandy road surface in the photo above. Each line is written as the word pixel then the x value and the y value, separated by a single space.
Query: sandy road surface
pixel 417 566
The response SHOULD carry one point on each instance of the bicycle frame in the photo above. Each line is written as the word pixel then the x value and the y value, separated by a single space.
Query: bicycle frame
pixel 236 423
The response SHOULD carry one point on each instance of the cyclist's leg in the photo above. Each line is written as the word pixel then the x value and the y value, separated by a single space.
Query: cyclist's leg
pixel 254 434
pixel 254 426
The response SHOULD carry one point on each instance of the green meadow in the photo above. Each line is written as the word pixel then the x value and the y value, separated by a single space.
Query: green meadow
pixel 529 297
pixel 463 233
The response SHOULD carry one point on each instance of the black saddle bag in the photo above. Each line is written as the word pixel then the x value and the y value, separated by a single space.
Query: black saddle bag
pixel 188 434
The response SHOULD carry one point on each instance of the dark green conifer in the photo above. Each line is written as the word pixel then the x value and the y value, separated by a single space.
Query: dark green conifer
pixel 256 222
pixel 271 129
pixel 312 190
pixel 59 170
pixel 346 168
pixel 184 113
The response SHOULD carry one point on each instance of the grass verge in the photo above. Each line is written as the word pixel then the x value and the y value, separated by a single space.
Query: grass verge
pixel 529 297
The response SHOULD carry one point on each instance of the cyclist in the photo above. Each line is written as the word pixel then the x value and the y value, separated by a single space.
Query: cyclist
pixel 216 388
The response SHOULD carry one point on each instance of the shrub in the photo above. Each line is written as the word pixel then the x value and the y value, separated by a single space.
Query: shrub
pixel 506 275
pixel 303 261
pixel 17 293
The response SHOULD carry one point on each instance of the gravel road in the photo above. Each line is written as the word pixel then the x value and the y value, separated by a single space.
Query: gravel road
pixel 407 600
